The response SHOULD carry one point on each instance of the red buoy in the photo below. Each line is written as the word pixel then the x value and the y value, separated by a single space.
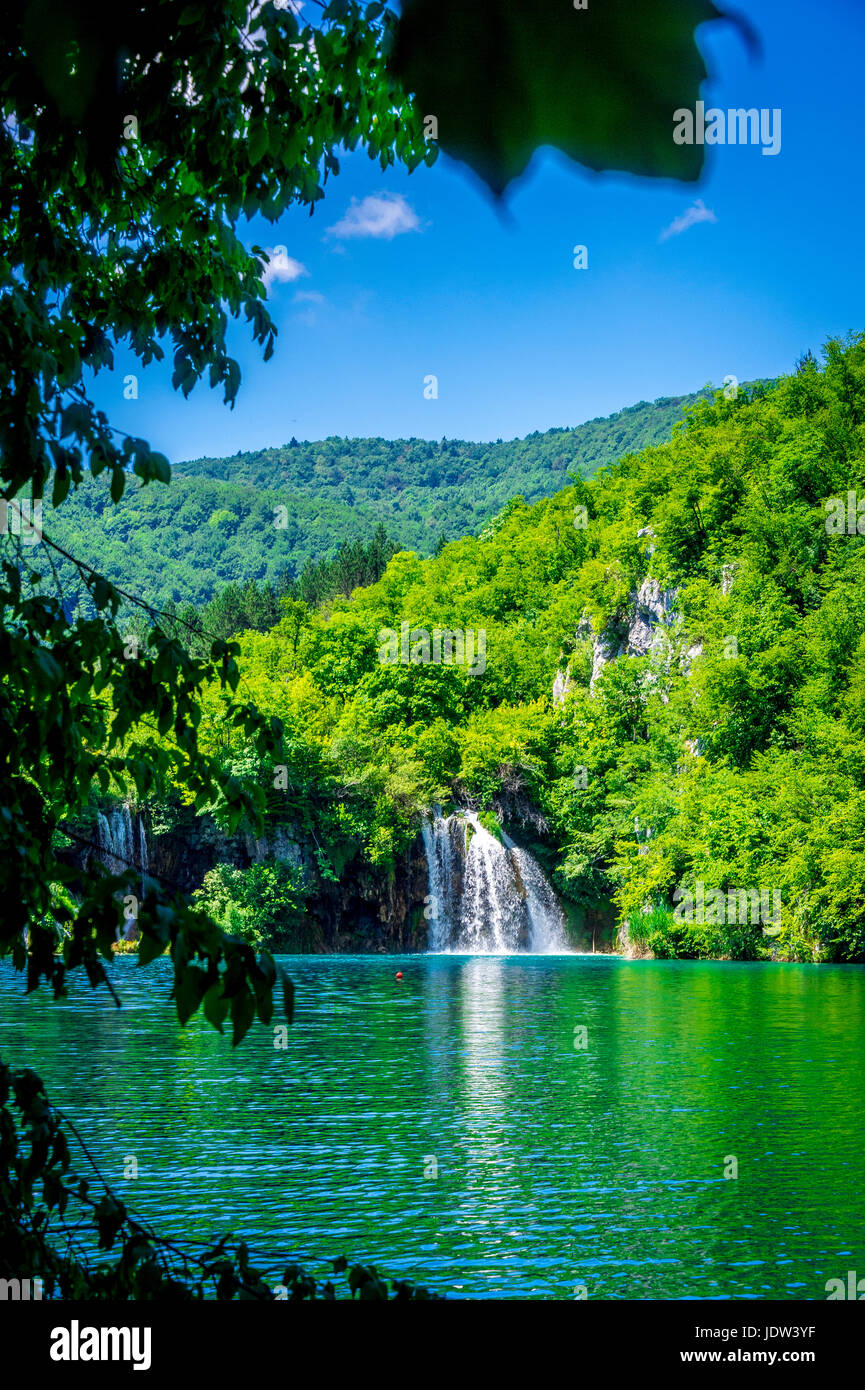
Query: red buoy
pixel 399 974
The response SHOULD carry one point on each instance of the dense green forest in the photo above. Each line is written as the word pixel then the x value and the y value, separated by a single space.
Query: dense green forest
pixel 218 521
pixel 728 754
pixel 259 605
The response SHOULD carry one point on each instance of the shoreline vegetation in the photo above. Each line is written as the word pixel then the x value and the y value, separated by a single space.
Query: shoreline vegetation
pixel 635 952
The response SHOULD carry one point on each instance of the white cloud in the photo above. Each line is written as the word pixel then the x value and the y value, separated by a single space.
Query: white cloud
pixel 380 215
pixel 697 212
pixel 281 267
pixel 308 297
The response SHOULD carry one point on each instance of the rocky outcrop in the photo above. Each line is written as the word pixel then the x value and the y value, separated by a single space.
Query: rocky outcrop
pixel 631 949
pixel 652 615
pixel 648 532
pixel 653 628
pixel 369 910
pixel 605 647
pixel 361 909
pixel 653 610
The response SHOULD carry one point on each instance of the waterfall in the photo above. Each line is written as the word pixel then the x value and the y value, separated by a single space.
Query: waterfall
pixel 546 920
pixel 114 837
pixel 493 915
pixel 486 894
pixel 116 842
pixel 142 852
pixel 444 866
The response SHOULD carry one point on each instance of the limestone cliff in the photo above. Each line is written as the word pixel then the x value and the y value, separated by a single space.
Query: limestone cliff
pixel 360 910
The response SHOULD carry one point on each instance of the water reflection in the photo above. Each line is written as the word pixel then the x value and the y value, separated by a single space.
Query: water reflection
pixel 556 1165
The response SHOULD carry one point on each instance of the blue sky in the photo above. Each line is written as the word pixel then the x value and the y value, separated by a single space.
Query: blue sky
pixel 491 304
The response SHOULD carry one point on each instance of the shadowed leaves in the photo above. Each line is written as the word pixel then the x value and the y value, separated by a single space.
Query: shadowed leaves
pixel 600 84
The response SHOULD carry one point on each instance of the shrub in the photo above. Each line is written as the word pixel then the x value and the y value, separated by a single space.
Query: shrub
pixel 262 904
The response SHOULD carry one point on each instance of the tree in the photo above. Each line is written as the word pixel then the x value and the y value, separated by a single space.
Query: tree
pixel 295 617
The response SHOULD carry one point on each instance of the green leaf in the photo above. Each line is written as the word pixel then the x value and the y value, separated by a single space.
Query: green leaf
pixel 160 468
pixel 149 947
pixel 61 486
pixel 216 1006
pixel 152 466
pixel 242 1014
pixel 257 143
pixel 600 84
pixel 189 991
pixel 75 419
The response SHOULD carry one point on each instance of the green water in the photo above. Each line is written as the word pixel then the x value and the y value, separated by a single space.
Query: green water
pixel 557 1167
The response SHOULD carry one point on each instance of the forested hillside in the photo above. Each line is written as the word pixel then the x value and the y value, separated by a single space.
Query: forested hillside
pixel 217 522
pixel 728 753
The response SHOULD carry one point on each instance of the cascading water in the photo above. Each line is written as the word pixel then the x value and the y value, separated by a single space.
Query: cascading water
pixel 486 894
pixel 546 920
pixel 142 852
pixel 114 836
pixel 445 870
pixel 117 850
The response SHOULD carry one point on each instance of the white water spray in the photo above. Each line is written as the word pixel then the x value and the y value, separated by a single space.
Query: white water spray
pixel 117 848
pixel 487 894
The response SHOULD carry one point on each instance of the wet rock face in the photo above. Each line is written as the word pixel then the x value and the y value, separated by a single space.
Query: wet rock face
pixel 181 856
pixel 365 910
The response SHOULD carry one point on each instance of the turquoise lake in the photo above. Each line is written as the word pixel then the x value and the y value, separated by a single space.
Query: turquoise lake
pixel 451 1127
